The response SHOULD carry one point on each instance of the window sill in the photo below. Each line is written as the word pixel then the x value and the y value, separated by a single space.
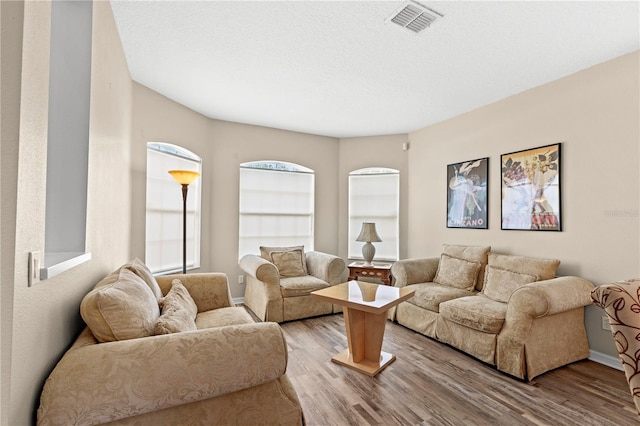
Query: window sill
pixel 57 263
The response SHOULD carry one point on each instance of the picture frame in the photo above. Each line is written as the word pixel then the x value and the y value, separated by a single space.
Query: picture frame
pixel 467 194
pixel 531 189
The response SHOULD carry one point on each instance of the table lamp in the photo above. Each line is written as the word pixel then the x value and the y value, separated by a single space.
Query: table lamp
pixel 368 235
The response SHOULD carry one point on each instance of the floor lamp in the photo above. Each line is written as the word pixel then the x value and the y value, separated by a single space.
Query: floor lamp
pixel 184 178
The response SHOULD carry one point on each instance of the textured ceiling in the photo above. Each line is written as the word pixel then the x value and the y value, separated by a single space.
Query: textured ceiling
pixel 339 68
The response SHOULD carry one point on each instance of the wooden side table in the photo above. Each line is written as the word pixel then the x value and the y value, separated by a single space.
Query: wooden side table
pixel 381 271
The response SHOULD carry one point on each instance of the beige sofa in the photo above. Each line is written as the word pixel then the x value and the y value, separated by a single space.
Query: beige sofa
pixel 134 365
pixel 511 312
pixel 280 281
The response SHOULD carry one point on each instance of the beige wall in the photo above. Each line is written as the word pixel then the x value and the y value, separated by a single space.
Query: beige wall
pixel 159 119
pixel 223 146
pixel 238 143
pixel 595 114
pixel 45 317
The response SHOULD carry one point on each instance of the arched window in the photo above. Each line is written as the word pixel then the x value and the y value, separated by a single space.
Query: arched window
pixel 276 205
pixel 374 196
pixel 163 246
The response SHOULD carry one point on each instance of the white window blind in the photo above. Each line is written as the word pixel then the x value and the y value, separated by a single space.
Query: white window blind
pixel 374 197
pixel 165 209
pixel 276 206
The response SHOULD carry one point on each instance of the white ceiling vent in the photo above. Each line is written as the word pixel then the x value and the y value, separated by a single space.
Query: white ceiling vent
pixel 414 17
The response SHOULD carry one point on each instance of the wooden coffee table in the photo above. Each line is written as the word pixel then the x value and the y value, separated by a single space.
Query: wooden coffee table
pixel 365 315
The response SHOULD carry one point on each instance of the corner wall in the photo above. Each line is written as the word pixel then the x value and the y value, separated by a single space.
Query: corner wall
pixel 223 146
pixel 45 318
pixel 595 113
pixel 373 151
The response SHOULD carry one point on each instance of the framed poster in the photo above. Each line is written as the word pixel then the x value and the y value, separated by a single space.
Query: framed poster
pixel 531 189
pixel 467 186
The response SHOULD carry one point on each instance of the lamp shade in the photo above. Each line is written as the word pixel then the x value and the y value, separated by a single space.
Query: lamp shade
pixel 184 177
pixel 368 233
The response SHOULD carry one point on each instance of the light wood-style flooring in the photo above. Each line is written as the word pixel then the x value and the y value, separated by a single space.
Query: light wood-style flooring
pixel 433 384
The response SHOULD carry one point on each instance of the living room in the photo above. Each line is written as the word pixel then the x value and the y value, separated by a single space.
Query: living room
pixel 594 113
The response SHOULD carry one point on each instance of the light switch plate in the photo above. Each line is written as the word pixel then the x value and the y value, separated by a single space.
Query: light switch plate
pixel 35 263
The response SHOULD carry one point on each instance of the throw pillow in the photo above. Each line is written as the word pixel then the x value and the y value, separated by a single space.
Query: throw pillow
pixel 472 253
pixel 120 310
pixel 267 253
pixel 458 273
pixel 289 263
pixel 138 267
pixel 544 269
pixel 179 298
pixel 499 284
pixel 178 311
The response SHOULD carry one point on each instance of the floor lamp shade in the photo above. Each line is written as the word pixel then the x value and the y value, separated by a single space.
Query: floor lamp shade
pixel 184 178
pixel 368 235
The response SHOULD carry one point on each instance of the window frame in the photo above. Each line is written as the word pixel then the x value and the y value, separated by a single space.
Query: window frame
pixel 388 234
pixel 170 189
pixel 250 241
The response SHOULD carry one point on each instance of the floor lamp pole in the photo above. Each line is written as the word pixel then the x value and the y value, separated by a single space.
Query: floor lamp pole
pixel 185 189
pixel 184 178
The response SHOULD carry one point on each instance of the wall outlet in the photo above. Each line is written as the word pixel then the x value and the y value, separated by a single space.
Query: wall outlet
pixel 35 263
pixel 240 279
pixel 605 323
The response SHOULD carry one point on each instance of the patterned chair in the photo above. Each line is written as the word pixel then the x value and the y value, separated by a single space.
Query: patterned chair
pixel 621 302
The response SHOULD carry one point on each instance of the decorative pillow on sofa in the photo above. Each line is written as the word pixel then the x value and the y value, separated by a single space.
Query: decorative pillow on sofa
pixel 472 253
pixel 458 273
pixel 138 267
pixel 178 311
pixel 290 261
pixel 544 269
pixel 120 310
pixel 499 284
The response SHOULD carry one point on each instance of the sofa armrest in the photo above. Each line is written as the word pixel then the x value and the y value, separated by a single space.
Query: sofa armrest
pixel 261 269
pixel 109 381
pixel 549 297
pixel 209 290
pixel 413 271
pixel 327 267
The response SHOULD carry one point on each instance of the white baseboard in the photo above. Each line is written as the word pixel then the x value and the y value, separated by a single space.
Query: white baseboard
pixel 608 360
pixel 238 300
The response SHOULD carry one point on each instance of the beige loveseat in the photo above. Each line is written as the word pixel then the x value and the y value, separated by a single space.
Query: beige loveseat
pixel 133 365
pixel 281 279
pixel 511 312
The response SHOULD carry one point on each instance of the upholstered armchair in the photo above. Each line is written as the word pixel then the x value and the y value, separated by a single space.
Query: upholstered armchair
pixel 621 302
pixel 280 280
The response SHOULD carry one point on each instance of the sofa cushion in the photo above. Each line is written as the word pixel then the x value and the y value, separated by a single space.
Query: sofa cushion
pixel 458 273
pixel 300 286
pixel 122 309
pixel 289 264
pixel 472 253
pixel 139 268
pixel 499 284
pixel 222 317
pixel 430 295
pixel 475 312
pixel 544 269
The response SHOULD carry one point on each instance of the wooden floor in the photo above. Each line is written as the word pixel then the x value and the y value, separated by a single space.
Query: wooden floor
pixel 433 384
